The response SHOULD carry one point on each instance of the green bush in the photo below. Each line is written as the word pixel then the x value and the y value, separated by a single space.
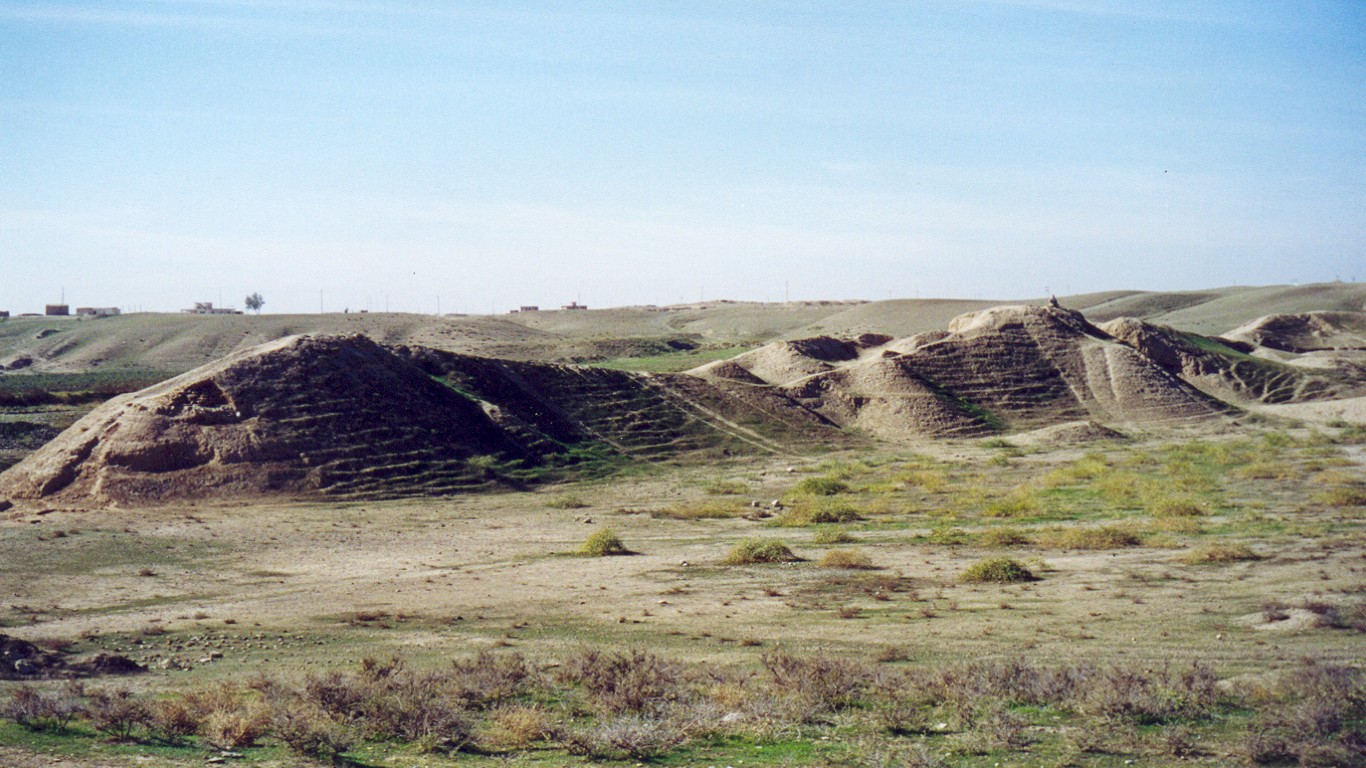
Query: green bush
pixel 821 486
pixel 752 551
pixel 1003 570
pixel 604 543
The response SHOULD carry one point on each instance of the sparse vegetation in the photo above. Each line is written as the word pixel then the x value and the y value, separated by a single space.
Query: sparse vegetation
pixel 1220 553
pixel 847 558
pixel 603 543
pixel 752 551
pixel 1000 570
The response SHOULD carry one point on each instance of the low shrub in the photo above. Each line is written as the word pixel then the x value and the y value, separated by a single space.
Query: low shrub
pixel 514 727
pixel 115 713
pixel 1003 570
pixel 725 487
pixel 1219 553
pixel 1002 537
pixel 567 501
pixel 821 486
pixel 40 711
pixel 604 543
pixel 631 681
pixel 624 737
pixel 847 558
pixel 1018 503
pixel 833 536
pixel 752 551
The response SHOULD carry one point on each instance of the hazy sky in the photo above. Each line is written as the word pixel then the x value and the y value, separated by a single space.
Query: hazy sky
pixel 158 152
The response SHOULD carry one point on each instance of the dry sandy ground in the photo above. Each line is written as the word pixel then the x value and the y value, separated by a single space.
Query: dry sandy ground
pixel 452 575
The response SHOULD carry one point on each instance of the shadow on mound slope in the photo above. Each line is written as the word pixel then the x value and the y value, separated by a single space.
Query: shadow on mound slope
pixel 346 416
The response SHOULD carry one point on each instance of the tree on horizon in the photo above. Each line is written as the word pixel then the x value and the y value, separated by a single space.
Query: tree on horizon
pixel 254 302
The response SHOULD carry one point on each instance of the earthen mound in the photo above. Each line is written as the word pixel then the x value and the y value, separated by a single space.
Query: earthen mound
pixel 1307 332
pixel 1228 368
pixel 22 660
pixel 783 362
pixel 1024 367
pixel 888 399
pixel 297 415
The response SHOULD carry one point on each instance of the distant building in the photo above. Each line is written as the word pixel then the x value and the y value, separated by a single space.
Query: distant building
pixel 207 308
pixel 4 313
pixel 574 305
pixel 97 311
pixel 528 308
pixel 57 310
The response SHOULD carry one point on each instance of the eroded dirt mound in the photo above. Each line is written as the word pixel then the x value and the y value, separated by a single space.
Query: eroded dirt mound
pixel 346 416
pixel 1002 368
pixel 783 362
pixel 22 660
pixel 1307 332
pixel 1024 367
pixel 1229 368
pixel 296 415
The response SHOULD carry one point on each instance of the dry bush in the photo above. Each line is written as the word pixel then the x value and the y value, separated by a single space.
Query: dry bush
pixel 40 711
pixel 624 737
pixel 1001 570
pixel 308 730
pixel 115 712
pixel 995 728
pixel 827 683
pixel 1151 697
pixel 172 720
pixel 234 729
pixel 633 681
pixel 847 558
pixel 514 727
pixel 1100 537
pixel 1219 553
pixel 752 551
pixel 489 678
pixel 603 543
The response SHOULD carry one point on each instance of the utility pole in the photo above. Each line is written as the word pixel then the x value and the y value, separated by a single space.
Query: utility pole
pixel 320 301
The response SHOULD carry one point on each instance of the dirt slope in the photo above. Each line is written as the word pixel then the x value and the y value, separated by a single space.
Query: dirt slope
pixel 1231 369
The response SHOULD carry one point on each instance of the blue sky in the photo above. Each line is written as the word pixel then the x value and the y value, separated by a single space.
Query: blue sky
pixel 158 152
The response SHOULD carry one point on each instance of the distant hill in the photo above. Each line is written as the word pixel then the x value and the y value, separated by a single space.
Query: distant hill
pixel 176 343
